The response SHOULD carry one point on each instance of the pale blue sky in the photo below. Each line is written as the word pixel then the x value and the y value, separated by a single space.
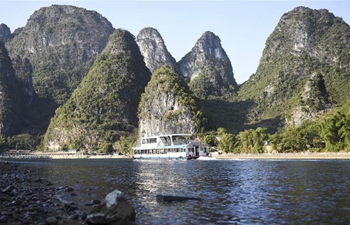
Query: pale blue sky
pixel 243 26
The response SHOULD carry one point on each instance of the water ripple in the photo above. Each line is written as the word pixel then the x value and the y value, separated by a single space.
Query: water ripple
pixel 232 191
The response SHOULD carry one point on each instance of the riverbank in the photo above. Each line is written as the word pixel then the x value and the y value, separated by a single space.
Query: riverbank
pixel 57 155
pixel 28 198
pixel 262 156
pixel 286 156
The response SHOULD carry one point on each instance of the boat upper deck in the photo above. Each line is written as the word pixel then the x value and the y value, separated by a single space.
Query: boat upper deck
pixel 166 140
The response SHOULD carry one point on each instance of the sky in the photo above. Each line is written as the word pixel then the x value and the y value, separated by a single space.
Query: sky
pixel 242 26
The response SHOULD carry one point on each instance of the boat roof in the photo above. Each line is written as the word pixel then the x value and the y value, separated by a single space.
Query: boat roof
pixel 162 135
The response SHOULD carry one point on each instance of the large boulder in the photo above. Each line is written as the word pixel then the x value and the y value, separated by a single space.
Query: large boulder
pixel 114 210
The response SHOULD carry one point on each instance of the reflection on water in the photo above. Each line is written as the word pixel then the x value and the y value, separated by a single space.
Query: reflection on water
pixel 232 191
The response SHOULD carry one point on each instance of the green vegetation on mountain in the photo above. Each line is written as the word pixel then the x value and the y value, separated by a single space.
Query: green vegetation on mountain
pixel 212 83
pixel 10 101
pixel 208 69
pixel 299 93
pixel 304 42
pixel 60 42
pixel 104 106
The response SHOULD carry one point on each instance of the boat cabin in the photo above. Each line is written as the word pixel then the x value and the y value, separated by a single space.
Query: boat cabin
pixel 182 146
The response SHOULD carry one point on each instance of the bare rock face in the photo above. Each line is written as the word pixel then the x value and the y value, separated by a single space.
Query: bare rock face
pixel 208 68
pixel 314 101
pixel 167 106
pixel 10 101
pixel 5 32
pixel 61 42
pixel 24 73
pixel 52 53
pixel 153 49
pixel 304 30
pixel 304 42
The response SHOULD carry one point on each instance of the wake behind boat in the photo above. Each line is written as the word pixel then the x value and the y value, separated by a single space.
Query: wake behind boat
pixel 208 157
pixel 170 146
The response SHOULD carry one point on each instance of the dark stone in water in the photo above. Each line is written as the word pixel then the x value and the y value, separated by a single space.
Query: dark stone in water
pixel 170 198
pixel 69 189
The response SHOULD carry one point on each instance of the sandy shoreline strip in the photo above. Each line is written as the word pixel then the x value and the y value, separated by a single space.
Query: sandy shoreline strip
pixel 261 156
pixel 300 155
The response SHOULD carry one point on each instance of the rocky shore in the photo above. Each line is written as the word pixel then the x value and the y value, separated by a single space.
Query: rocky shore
pixel 27 198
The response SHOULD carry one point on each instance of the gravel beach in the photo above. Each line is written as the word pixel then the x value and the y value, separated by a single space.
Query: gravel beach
pixel 27 198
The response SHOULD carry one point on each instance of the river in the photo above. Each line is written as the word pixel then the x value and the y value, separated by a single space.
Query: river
pixel 231 191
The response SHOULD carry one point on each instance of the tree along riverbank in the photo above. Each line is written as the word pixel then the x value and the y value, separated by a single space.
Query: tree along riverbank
pixel 298 155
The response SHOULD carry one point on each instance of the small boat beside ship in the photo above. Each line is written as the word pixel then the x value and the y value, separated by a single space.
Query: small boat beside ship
pixel 170 146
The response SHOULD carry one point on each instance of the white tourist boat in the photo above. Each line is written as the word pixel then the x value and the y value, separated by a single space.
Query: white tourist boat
pixel 170 146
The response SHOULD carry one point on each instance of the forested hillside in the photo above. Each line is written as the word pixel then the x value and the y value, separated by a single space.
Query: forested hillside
pixel 68 67
pixel 58 45
pixel 168 107
pixel 104 106
pixel 305 42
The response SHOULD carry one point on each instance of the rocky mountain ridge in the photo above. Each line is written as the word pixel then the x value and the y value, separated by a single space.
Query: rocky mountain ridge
pixel 314 102
pixel 305 44
pixel 153 49
pixel 10 100
pixel 104 106
pixel 5 32
pixel 208 68
pixel 168 107
pixel 59 45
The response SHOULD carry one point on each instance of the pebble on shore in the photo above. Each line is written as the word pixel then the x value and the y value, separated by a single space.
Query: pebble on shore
pixel 26 198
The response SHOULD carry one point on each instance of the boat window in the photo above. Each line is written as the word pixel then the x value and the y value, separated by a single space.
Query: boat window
pixel 149 140
pixel 165 140
pixel 181 139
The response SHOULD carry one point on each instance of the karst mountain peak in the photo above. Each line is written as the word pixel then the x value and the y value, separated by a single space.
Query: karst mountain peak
pixel 72 68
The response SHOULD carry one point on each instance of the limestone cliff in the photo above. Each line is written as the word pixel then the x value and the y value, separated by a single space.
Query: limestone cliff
pixel 314 101
pixel 208 68
pixel 167 106
pixel 304 42
pixel 24 73
pixel 104 106
pixel 61 43
pixel 153 49
pixel 10 101
pixel 5 32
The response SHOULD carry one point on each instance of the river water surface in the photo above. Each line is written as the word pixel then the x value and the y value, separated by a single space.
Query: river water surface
pixel 231 191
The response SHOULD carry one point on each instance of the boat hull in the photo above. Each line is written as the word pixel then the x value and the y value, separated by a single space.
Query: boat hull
pixel 159 156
